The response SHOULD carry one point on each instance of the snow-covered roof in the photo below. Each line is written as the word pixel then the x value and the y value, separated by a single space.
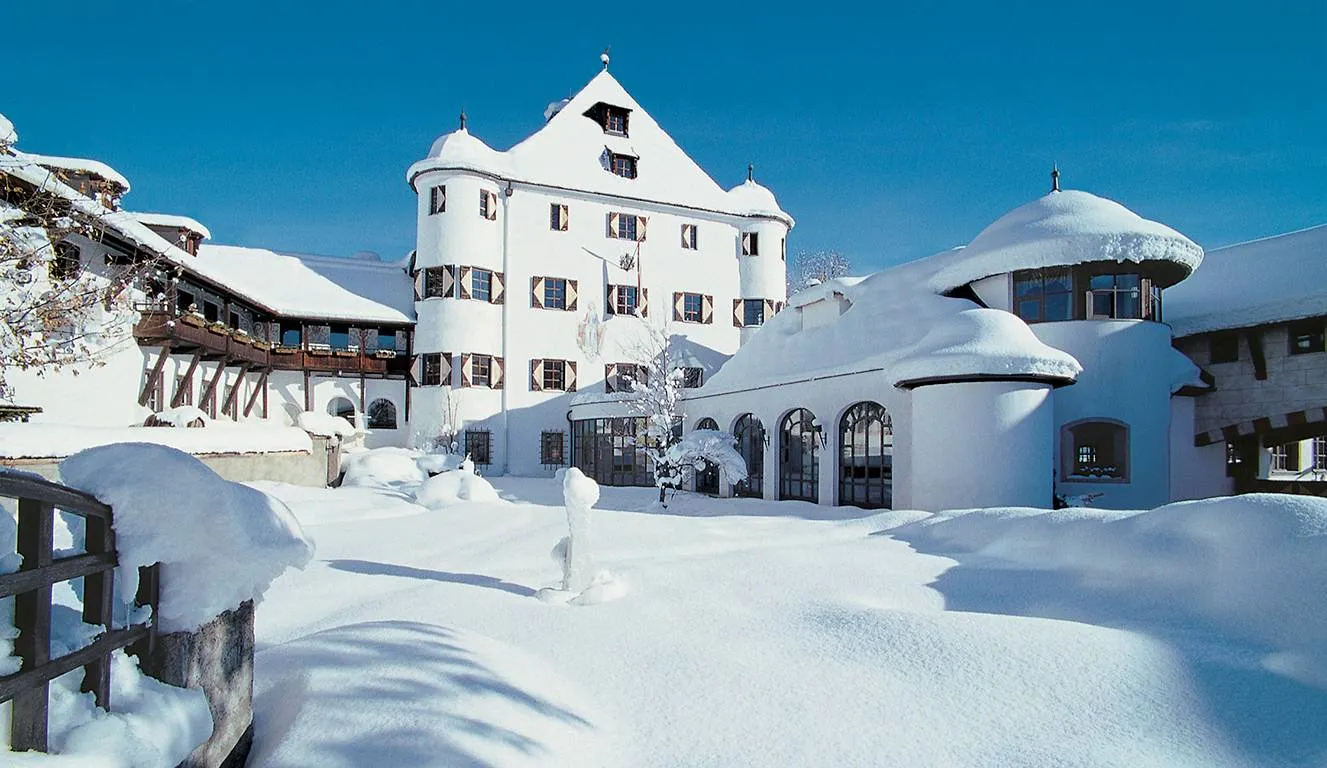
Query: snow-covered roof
pixel 569 151
pixel 1271 280
pixel 94 168
pixel 8 136
pixel 304 286
pixel 898 324
pixel 311 286
pixel 1065 228
pixel 173 220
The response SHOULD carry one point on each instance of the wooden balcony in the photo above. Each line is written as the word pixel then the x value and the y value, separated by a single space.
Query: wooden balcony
pixel 190 334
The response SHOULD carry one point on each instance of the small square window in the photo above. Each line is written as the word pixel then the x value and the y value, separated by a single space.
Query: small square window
pixel 557 217
pixel 434 284
pixel 1306 336
pixel 626 227
pixel 478 445
pixel 693 377
pixel 432 375
pixel 750 244
pixel 481 284
pixel 622 165
pixel 552 452
pixel 628 299
pixel 753 312
pixel 689 237
pixel 616 121
pixel 555 293
pixel 692 307
pixel 437 200
pixel 1223 348
pixel 555 374
pixel 488 205
pixel 481 371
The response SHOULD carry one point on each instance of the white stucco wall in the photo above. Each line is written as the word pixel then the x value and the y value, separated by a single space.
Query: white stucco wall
pixel 1196 472
pixel 980 444
pixel 1127 371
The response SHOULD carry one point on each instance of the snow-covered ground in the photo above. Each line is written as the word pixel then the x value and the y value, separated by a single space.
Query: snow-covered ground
pixel 786 634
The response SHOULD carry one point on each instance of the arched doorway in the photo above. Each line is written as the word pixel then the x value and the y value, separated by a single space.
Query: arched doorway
pixel 799 460
pixel 866 457
pixel 750 434
pixel 707 479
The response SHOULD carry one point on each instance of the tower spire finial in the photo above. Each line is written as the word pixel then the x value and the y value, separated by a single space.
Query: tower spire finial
pixel 604 57
pixel 750 171
pixel 1055 177
pixel 463 118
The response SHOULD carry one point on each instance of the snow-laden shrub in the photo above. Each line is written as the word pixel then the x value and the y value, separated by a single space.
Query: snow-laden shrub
pixel 219 543
pixel 453 487
pixel 709 446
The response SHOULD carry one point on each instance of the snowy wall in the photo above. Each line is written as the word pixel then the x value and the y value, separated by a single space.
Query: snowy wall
pixel 980 444
pixel 1127 376
pixel 1196 472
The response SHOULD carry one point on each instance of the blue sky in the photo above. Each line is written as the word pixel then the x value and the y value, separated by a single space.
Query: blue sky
pixel 889 131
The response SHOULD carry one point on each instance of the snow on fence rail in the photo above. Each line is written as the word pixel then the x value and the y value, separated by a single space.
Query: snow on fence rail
pixel 30 586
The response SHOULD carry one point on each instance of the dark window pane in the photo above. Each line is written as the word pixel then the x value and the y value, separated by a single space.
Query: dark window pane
pixel 1103 304
pixel 1128 305
pixel 1059 306
pixel 1030 311
pixel 1102 281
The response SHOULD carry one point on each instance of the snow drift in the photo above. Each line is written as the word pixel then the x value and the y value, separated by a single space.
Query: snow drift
pixel 219 543
pixel 1254 566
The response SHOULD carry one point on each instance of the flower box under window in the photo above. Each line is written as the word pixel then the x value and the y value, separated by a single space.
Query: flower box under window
pixel 194 319
pixel 385 354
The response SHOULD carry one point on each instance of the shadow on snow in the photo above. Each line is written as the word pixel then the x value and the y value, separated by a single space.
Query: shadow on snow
pixel 371 568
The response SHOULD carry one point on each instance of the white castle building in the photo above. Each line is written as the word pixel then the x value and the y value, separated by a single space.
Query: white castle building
pixel 535 266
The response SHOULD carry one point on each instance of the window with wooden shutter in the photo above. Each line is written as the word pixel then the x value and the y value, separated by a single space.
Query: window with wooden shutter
pixel 644 305
pixel 750 244
pixel 419 284
pixel 536 375
pixel 783 248
pixel 499 295
pixel 481 284
pixel 488 205
pixel 571 375
pixel 737 313
pixel 641 223
pixel 445 368
pixel 432 369
pixel 571 295
pixel 771 306
pixel 558 217
pixel 437 200
pixel 610 300
pixel 689 236
pixel 465 370
pixel 677 306
pixel 497 374
pixel 610 378
pixel 463 283
pixel 612 224
pixel 537 292
pixel 707 309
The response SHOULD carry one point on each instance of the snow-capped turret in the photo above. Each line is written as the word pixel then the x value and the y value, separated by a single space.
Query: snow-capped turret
pixel 762 253
pixel 460 150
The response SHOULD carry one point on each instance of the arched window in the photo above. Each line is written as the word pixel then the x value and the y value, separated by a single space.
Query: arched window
pixel 799 459
pixel 707 479
pixel 382 414
pixel 1095 450
pixel 340 406
pixel 866 456
pixel 750 434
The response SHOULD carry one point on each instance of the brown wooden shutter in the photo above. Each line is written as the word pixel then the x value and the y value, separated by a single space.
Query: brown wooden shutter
pixel 643 302
pixel 612 224
pixel 610 374
pixel 641 221
pixel 416 370
pixel 498 294
pixel 445 369
pixel 463 283
pixel 492 206
pixel 686 243
pixel 737 313
pixel 771 306
pixel 677 307
pixel 496 373
pixel 465 370
pixel 571 295
pixel 746 243
pixel 706 309
pixel 610 300
pixel 570 375
pixel 564 217
pixel 536 375
pixel 419 284
pixel 537 292
pixel 448 281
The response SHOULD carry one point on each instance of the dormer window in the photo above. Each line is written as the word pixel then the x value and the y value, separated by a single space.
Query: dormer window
pixel 610 118
pixel 622 165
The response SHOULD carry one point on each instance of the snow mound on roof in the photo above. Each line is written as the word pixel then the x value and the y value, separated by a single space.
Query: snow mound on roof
pixel 325 425
pixel 8 136
pixel 460 149
pixel 81 165
pixel 1063 229
pixel 896 324
pixel 1262 281
pixel 1255 566
pixel 173 220
pixel 219 543
pixel 751 198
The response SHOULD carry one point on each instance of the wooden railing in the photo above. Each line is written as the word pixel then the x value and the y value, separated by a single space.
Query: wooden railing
pixel 31 586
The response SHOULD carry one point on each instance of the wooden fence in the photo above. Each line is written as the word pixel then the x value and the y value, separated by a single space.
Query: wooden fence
pixel 31 586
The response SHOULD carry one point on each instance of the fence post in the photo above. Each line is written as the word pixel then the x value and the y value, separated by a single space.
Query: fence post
pixel 32 616
pixel 98 604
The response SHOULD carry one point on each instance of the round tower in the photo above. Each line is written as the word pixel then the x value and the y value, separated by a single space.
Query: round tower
pixel 762 255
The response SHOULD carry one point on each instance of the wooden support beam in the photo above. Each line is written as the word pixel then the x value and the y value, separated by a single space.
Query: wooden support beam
pixel 229 402
pixel 363 402
pixel 260 389
pixel 32 616
pixel 1259 356
pixel 98 606
pixel 155 376
pixel 186 384
pixel 308 390
pixel 209 391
